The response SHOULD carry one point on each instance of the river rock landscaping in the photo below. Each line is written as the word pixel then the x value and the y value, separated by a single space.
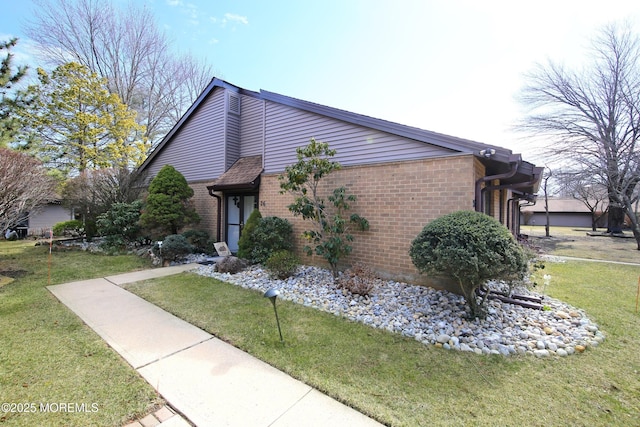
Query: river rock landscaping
pixel 434 317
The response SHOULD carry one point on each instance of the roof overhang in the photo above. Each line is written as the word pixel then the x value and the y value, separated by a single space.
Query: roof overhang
pixel 244 174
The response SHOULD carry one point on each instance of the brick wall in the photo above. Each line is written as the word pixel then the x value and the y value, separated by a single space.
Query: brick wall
pixel 398 199
pixel 206 206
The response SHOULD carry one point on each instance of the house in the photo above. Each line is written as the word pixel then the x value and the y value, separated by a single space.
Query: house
pixel 564 213
pixel 232 144
pixel 41 221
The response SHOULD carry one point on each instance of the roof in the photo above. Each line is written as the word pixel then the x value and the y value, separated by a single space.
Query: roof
pixel 501 154
pixel 244 174
pixel 500 160
pixel 564 206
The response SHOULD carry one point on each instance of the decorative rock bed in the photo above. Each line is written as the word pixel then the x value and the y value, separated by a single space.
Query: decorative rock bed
pixel 435 317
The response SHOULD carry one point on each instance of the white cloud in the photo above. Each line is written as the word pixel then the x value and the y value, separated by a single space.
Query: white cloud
pixel 213 41
pixel 231 17
pixel 175 2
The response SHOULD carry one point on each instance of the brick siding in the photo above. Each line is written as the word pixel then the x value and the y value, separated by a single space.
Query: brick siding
pixel 398 199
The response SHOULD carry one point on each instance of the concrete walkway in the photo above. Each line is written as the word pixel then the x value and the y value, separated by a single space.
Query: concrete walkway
pixel 209 382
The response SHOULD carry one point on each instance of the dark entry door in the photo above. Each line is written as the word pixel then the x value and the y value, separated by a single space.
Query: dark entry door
pixel 239 207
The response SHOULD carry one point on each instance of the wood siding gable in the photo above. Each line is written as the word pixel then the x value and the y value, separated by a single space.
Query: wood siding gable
pixel 288 128
pixel 197 148
pixel 252 126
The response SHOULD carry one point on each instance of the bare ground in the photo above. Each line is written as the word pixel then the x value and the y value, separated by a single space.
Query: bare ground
pixel 577 243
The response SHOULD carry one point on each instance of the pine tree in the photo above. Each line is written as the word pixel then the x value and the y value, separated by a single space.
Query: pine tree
pixel 75 124
pixel 168 206
pixel 8 78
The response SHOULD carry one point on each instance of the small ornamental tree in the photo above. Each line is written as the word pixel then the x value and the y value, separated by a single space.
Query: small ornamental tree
pixel 168 206
pixel 330 234
pixel 471 248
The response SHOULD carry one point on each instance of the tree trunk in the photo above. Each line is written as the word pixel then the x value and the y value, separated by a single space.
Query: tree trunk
pixel 616 219
pixel 635 226
pixel 546 206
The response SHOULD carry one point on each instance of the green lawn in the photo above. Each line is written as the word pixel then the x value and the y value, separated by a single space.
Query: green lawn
pixel 49 357
pixel 401 382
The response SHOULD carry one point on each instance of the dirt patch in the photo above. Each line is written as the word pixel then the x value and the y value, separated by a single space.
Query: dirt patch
pixel 607 248
pixel 14 274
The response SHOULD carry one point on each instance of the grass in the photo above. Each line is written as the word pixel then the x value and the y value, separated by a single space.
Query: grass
pixel 47 355
pixel 401 382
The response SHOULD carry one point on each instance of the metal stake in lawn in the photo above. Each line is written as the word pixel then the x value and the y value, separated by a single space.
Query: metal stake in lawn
pixel 272 294
pixel 637 295
pixel 50 245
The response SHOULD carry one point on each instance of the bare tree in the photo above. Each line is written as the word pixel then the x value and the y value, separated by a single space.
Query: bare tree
pixel 24 187
pixel 593 117
pixel 126 48
pixel 93 192
pixel 586 188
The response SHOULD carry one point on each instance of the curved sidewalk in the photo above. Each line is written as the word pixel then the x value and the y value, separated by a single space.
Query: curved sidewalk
pixel 209 382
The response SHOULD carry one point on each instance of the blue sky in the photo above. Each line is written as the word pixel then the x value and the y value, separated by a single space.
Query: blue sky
pixel 448 66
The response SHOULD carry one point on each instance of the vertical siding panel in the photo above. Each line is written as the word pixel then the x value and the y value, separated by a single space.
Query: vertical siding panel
pixel 197 149
pixel 233 140
pixel 288 128
pixel 251 126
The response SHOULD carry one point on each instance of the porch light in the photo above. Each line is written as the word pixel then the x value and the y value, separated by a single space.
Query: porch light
pixel 272 294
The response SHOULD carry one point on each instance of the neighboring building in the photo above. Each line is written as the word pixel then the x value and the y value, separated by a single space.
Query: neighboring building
pixel 232 144
pixel 563 213
pixel 40 222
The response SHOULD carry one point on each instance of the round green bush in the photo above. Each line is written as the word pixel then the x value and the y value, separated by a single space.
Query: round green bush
pixel 173 247
pixel 282 264
pixel 270 235
pixel 471 248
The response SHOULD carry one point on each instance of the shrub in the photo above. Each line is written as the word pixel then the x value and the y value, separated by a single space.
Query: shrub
pixel 119 224
pixel 359 279
pixel 200 241
pixel 168 207
pixel 270 235
pixel 173 247
pixel 471 248
pixel 246 243
pixel 231 265
pixel 282 264
pixel 68 228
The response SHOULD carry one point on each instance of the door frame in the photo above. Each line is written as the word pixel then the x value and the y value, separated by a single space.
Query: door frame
pixel 241 213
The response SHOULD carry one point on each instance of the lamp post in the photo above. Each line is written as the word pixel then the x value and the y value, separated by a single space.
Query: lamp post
pixel 272 294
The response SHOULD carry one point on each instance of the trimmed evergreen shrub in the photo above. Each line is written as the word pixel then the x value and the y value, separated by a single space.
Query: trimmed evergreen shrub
pixel 282 264
pixel 270 235
pixel 168 206
pixel 246 243
pixel 173 247
pixel 470 248
pixel 68 228
pixel 200 241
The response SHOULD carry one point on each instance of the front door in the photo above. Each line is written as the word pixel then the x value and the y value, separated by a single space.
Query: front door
pixel 239 207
